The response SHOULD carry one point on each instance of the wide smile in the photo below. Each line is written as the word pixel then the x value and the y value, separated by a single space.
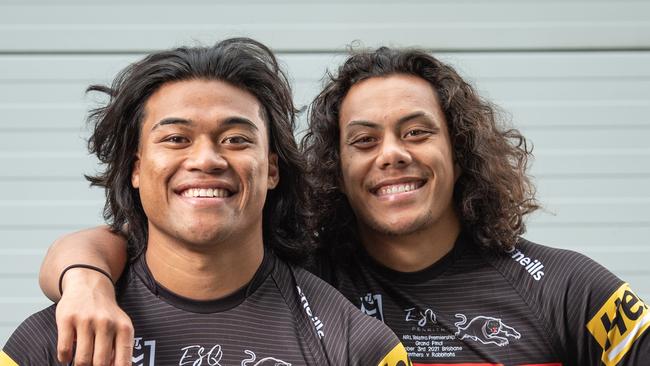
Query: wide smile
pixel 206 192
pixel 386 189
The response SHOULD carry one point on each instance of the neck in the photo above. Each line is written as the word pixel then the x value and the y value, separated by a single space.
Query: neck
pixel 414 251
pixel 204 273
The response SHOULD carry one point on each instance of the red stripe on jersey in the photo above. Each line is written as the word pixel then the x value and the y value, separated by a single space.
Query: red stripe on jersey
pixel 458 364
pixel 483 364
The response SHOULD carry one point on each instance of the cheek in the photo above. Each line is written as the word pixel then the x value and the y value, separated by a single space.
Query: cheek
pixel 352 164
pixel 153 172
pixel 442 157
pixel 253 171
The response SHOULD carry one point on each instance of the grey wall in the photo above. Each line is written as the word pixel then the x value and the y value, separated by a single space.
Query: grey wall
pixel 573 75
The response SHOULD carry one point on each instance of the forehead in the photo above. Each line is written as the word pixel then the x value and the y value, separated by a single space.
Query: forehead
pixel 384 99
pixel 202 101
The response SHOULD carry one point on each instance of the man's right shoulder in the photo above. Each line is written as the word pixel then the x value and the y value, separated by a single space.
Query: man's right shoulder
pixel 33 342
pixel 354 337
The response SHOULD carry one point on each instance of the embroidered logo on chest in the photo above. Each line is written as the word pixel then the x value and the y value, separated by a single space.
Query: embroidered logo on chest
pixel 144 352
pixel 485 329
pixel 371 305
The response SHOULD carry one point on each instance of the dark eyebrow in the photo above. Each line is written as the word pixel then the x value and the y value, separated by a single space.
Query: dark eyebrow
pixel 172 121
pixel 420 115
pixel 233 121
pixel 411 116
pixel 187 122
pixel 363 123
pixel 400 121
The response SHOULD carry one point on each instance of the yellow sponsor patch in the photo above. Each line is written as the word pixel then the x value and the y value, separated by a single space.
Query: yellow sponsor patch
pixel 396 357
pixel 619 322
pixel 5 360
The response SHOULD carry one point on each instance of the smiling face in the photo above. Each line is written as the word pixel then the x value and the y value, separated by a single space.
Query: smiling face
pixel 396 157
pixel 204 166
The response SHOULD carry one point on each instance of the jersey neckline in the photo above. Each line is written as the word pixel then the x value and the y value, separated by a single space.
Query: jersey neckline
pixel 225 303
pixel 428 273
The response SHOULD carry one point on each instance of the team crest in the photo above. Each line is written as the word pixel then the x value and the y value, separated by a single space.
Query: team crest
pixel 144 352
pixel 371 305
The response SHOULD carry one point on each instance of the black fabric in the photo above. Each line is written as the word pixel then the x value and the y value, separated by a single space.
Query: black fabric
pixel 530 306
pixel 268 322
pixel 141 269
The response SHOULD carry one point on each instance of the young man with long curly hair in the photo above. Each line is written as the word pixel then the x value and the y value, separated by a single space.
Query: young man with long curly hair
pixel 418 202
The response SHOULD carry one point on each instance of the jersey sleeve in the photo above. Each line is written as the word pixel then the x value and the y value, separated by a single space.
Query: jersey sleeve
pixel 604 320
pixel 619 329
pixel 33 342
pixel 591 316
pixel 345 334
pixel 373 343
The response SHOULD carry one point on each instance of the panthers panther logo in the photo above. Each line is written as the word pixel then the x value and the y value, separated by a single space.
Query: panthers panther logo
pixel 485 329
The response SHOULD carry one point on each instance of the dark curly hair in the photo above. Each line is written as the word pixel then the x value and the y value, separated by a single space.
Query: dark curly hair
pixel 493 193
pixel 241 62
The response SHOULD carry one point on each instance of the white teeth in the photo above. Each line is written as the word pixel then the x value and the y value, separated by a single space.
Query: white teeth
pixel 205 192
pixel 397 188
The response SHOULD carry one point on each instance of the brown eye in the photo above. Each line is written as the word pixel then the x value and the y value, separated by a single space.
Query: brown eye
pixel 364 142
pixel 176 139
pixel 236 140
pixel 417 133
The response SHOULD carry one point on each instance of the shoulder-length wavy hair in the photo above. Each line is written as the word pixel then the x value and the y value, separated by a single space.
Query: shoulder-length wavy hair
pixel 493 193
pixel 242 62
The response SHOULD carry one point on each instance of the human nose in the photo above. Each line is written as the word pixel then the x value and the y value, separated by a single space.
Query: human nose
pixel 205 156
pixel 393 153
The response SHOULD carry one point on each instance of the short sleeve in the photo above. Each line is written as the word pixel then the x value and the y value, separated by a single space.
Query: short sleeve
pixel 33 343
pixel 373 343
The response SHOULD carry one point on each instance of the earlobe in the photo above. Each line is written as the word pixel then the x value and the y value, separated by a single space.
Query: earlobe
pixel 135 174
pixel 274 171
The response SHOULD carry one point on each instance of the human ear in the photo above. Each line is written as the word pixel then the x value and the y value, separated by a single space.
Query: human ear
pixel 457 172
pixel 274 171
pixel 135 173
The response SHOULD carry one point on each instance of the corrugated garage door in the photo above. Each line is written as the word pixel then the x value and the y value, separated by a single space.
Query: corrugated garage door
pixel 573 75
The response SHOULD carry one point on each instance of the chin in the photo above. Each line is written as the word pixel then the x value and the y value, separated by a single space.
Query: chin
pixel 198 238
pixel 401 226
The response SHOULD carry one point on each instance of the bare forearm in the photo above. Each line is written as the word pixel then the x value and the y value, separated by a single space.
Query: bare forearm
pixel 97 246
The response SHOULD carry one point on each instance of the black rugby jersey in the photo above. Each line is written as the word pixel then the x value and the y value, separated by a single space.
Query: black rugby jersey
pixel 534 306
pixel 284 316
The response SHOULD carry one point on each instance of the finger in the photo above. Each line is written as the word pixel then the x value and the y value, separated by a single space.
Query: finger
pixel 83 355
pixel 124 345
pixel 103 346
pixel 65 341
